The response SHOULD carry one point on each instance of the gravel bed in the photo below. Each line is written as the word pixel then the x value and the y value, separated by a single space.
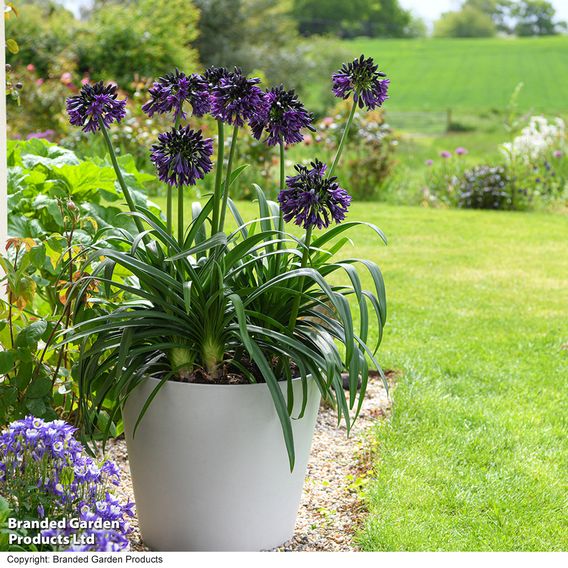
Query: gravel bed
pixel 330 510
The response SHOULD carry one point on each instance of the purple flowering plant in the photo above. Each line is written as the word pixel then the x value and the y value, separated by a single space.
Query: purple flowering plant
pixel 224 297
pixel 62 498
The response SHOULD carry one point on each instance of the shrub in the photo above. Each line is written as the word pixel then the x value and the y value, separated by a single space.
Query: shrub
pixel 485 187
pixel 371 152
pixel 59 207
pixel 117 40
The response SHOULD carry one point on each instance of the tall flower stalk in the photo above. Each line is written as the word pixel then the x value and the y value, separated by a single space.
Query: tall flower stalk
pixel 227 185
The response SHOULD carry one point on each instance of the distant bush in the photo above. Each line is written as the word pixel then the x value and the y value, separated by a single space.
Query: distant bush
pixel 468 22
pixel 485 187
pixel 372 146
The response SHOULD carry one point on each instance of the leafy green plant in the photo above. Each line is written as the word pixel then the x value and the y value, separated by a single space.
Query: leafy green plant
pixel 485 187
pixel 59 207
pixel 257 304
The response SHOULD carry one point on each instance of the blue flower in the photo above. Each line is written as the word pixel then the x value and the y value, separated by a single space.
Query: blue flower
pixel 236 99
pixel 170 92
pixel 95 103
pixel 362 79
pixel 312 200
pixel 182 156
pixel 283 118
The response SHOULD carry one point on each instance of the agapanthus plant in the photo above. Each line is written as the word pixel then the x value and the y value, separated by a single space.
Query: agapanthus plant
pixel 251 305
pixel 72 493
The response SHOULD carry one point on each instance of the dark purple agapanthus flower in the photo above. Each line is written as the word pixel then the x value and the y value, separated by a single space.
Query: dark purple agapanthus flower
pixel 213 76
pixel 283 118
pixel 170 92
pixel 95 103
pixel 182 156
pixel 312 200
pixel 236 99
pixel 364 80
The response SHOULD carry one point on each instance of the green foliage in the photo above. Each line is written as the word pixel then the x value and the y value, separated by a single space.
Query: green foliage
pixel 5 532
pixel 59 207
pixel 45 181
pixel 261 37
pixel 468 22
pixel 45 33
pixel 485 187
pixel 370 157
pixel 221 304
pixel 141 37
pixel 535 18
pixel 385 18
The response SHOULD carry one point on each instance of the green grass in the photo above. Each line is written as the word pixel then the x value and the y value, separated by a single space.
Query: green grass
pixel 475 455
pixel 472 74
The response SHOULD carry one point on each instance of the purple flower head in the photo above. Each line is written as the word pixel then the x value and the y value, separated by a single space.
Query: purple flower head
pixel 429 163
pixel 362 78
pixel 558 154
pixel 213 76
pixel 170 92
pixel 93 104
pixel 236 99
pixel 445 154
pixel 283 118
pixel 310 199
pixel 461 151
pixel 182 156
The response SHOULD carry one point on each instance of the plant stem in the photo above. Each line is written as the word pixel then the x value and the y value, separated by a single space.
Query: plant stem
pixel 228 177
pixel 218 175
pixel 169 212
pixel 305 257
pixel 343 139
pixel 282 185
pixel 180 216
pixel 119 176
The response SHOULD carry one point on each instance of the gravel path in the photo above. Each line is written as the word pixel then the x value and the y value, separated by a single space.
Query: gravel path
pixel 330 510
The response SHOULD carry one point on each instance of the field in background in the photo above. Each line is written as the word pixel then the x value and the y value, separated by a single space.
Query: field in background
pixel 472 74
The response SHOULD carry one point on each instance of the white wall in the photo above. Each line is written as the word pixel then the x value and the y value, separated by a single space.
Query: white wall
pixel 3 205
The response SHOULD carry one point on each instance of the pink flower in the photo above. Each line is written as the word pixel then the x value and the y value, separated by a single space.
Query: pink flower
pixel 39 82
pixel 445 154
pixel 327 121
pixel 558 154
pixel 308 139
pixel 429 162
pixel 66 78
pixel 85 80
pixel 30 67
pixel 461 151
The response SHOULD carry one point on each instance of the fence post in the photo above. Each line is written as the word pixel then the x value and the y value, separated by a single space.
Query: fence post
pixel 448 119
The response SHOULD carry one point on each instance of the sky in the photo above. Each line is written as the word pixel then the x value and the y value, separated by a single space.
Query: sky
pixel 427 9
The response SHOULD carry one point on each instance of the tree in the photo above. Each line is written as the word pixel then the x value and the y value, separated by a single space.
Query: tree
pixel 468 22
pixel 498 10
pixel 535 18
pixel 375 18
pixel 336 17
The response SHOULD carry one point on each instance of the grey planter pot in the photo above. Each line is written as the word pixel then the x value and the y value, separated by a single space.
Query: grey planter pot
pixel 209 465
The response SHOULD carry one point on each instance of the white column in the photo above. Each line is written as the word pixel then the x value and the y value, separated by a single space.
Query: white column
pixel 3 165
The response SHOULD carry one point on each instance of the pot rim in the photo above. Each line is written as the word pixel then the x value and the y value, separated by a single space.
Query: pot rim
pixel 216 386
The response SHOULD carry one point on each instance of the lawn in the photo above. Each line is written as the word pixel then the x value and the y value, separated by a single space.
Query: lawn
pixel 472 74
pixel 475 455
